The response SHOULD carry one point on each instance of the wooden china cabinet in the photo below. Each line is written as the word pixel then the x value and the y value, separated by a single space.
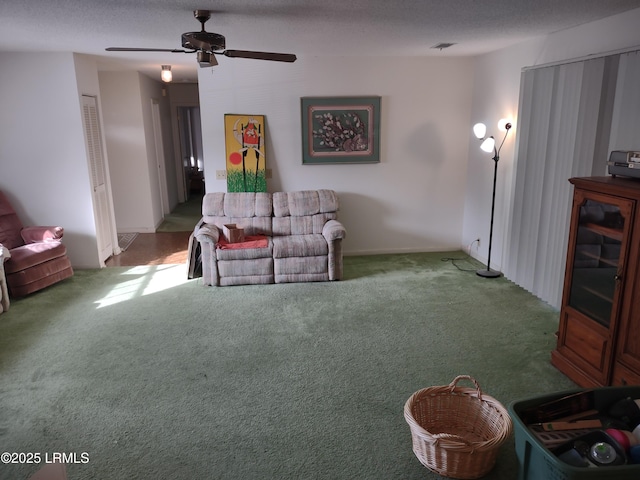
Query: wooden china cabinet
pixel 599 332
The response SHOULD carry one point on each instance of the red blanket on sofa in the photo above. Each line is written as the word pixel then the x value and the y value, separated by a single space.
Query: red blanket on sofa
pixel 250 241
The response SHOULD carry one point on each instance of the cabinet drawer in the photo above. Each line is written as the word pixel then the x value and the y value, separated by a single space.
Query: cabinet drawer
pixel 586 342
pixel 623 376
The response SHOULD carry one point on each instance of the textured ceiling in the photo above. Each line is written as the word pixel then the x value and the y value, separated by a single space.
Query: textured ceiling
pixel 303 27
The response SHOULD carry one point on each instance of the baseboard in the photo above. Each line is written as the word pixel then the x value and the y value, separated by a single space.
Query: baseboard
pixel 392 251
pixel 136 230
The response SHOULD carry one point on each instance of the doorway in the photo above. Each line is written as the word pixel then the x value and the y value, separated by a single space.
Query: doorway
pixel 190 133
pixel 104 216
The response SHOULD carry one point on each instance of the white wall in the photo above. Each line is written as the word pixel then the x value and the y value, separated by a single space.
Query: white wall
pixel 496 95
pixel 126 99
pixel 413 200
pixel 152 90
pixel 127 151
pixel 43 163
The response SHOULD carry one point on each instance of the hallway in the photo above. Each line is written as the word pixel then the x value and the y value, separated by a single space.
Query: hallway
pixel 159 248
pixel 170 243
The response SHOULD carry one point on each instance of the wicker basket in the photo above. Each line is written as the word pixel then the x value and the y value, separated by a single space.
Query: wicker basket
pixel 457 431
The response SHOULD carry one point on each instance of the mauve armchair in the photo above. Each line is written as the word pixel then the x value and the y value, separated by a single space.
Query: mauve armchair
pixel 38 257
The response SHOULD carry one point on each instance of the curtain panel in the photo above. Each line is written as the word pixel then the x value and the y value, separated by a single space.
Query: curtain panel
pixel 571 116
pixel 559 115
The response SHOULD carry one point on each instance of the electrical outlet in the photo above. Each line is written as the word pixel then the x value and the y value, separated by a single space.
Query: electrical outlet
pixel 476 242
pixel 221 174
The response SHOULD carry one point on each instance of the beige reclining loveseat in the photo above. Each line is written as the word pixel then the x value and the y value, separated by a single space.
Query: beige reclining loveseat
pixel 292 237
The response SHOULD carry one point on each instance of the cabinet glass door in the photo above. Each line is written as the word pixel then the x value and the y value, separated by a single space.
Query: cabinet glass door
pixel 596 262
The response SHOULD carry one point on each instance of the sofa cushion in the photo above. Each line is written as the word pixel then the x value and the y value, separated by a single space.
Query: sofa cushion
pixel 31 280
pixel 305 202
pixel 308 225
pixel 249 211
pixel 299 246
pixel 259 267
pixel 245 253
pixel 301 269
pixel 304 212
pixel 33 254
pixel 244 205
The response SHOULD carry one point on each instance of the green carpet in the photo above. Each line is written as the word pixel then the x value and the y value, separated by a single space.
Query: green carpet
pixel 158 377
pixel 184 217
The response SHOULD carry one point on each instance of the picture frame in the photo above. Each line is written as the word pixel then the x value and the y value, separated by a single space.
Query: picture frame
pixel 245 152
pixel 340 130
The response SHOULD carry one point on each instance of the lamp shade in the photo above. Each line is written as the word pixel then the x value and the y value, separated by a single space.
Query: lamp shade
pixel 479 130
pixel 165 74
pixel 488 145
pixel 504 124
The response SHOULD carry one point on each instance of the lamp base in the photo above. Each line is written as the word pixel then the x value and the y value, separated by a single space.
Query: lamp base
pixel 486 273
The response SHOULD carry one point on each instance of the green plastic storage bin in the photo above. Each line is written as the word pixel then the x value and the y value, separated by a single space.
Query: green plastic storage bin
pixel 536 462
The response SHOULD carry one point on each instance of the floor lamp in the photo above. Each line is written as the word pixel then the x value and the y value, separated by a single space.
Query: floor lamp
pixel 488 145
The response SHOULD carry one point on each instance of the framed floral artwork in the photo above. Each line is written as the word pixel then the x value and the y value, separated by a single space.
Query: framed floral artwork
pixel 340 130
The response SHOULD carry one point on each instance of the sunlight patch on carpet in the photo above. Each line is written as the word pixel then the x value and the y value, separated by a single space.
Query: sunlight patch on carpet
pixel 144 280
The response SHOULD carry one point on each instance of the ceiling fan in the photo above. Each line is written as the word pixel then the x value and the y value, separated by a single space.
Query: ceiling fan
pixel 206 45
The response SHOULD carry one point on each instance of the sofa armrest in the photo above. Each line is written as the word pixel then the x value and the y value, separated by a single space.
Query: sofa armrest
pixel 333 230
pixel 207 236
pixel 41 234
pixel 207 233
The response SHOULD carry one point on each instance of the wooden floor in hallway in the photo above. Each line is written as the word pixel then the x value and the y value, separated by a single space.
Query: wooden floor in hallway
pixel 161 248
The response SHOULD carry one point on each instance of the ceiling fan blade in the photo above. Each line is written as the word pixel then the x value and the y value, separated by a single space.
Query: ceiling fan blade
pixel 127 49
pixel 276 57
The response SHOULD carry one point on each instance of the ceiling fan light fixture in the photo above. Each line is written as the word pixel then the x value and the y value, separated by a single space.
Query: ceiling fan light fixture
pixel 204 44
pixel 166 74
pixel 206 59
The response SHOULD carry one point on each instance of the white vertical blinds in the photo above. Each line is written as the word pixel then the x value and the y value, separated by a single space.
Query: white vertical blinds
pixel 558 124
pixel 625 125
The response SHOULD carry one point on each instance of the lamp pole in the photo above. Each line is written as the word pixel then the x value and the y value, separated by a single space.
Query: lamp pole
pixel 487 272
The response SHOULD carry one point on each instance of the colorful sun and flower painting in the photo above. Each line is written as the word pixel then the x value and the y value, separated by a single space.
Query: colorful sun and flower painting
pixel 246 162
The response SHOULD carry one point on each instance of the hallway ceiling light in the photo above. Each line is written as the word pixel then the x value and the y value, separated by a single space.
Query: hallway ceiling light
pixel 166 74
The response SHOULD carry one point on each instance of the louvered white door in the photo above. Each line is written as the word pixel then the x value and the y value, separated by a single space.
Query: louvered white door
pixel 93 138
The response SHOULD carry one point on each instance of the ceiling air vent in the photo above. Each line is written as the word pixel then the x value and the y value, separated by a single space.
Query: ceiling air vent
pixel 442 46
